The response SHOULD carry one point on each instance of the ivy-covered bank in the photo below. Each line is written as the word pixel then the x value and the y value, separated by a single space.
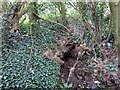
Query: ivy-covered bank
pixel 24 65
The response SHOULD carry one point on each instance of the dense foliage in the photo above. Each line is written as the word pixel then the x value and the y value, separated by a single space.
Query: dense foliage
pixel 80 36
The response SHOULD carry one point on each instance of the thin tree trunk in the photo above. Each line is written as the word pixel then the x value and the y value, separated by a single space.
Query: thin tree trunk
pixel 62 10
pixel 33 18
pixel 1 14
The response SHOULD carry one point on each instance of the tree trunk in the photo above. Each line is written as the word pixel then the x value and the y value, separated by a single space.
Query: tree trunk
pixel 115 14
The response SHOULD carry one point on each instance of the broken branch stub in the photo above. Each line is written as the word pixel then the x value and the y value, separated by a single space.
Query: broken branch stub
pixel 53 56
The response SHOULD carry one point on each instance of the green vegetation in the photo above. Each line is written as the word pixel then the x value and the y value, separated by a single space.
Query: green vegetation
pixel 37 36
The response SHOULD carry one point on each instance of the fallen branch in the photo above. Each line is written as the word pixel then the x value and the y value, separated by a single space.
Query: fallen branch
pixel 72 71
pixel 73 68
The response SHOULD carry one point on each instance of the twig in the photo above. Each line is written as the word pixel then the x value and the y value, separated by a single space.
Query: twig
pixel 31 50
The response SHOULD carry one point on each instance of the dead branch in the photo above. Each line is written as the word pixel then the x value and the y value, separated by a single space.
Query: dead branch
pixel 73 68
